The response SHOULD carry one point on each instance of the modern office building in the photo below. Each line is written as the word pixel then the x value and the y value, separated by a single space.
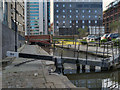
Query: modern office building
pixel 111 14
pixel 70 15
pixel 13 14
pixel 37 17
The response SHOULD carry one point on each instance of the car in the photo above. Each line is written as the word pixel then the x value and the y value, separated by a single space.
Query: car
pixel 112 36
pixel 104 36
pixel 90 37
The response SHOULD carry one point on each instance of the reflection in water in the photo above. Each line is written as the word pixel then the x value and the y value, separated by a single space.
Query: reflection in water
pixel 96 80
pixel 99 80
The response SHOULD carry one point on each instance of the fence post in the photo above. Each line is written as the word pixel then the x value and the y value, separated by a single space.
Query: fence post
pixel 96 50
pixel 103 54
pixel 86 53
pixel 112 51
pixel 77 61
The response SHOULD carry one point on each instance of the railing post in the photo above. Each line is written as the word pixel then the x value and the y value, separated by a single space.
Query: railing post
pixel 75 48
pixel 112 51
pixel 77 61
pixel 86 53
pixel 107 49
pixel 62 50
pixel 103 54
pixel 96 50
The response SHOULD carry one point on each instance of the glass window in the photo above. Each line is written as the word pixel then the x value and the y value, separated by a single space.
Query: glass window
pixel 95 11
pixel 76 21
pixel 63 5
pixel 57 5
pixel 89 16
pixel 83 27
pixel 57 21
pixel 76 16
pixel 70 16
pixel 63 10
pixel 63 16
pixel 83 16
pixel 70 21
pixel 70 5
pixel 89 11
pixel 89 21
pixel 76 11
pixel 63 21
pixel 70 26
pixel 57 27
pixel 76 26
pixel 83 11
pixel 83 21
pixel 63 26
pixel 57 10
pixel 70 10
pixel 57 16
pixel 95 16
pixel 95 21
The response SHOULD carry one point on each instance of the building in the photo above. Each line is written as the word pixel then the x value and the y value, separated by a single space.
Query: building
pixel 37 17
pixel 12 26
pixel 69 16
pixel 111 14
pixel 13 14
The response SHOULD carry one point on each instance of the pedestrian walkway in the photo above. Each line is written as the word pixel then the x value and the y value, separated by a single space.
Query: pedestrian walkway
pixel 33 73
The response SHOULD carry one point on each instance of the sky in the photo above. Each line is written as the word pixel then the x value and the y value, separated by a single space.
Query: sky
pixel 105 3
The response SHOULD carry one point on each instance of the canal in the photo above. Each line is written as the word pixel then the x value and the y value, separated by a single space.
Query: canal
pixel 97 79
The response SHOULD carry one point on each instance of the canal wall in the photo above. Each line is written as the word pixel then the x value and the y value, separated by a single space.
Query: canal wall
pixel 8 40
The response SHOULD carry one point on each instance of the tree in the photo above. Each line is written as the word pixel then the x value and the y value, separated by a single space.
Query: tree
pixel 115 26
pixel 82 32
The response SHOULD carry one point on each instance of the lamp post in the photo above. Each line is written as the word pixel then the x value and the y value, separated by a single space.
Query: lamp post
pixel 99 30
pixel 15 26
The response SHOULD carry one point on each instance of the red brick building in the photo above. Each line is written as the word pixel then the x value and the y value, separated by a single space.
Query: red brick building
pixel 111 14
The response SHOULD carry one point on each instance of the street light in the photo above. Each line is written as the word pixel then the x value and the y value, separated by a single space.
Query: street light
pixel 99 29
pixel 15 26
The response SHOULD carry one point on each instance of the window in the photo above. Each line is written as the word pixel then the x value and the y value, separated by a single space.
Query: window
pixel 83 21
pixel 70 10
pixel 95 11
pixel 63 5
pixel 70 5
pixel 70 21
pixel 57 21
pixel 89 21
pixel 57 5
pixel 76 16
pixel 95 16
pixel 63 26
pixel 76 11
pixel 89 11
pixel 57 10
pixel 95 21
pixel 89 16
pixel 83 16
pixel 83 11
pixel 70 16
pixel 63 10
pixel 83 27
pixel 63 16
pixel 63 21
pixel 76 26
pixel 76 21
pixel 57 16
pixel 57 27
pixel 70 26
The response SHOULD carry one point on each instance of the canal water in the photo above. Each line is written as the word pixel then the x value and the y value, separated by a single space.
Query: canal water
pixel 97 80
